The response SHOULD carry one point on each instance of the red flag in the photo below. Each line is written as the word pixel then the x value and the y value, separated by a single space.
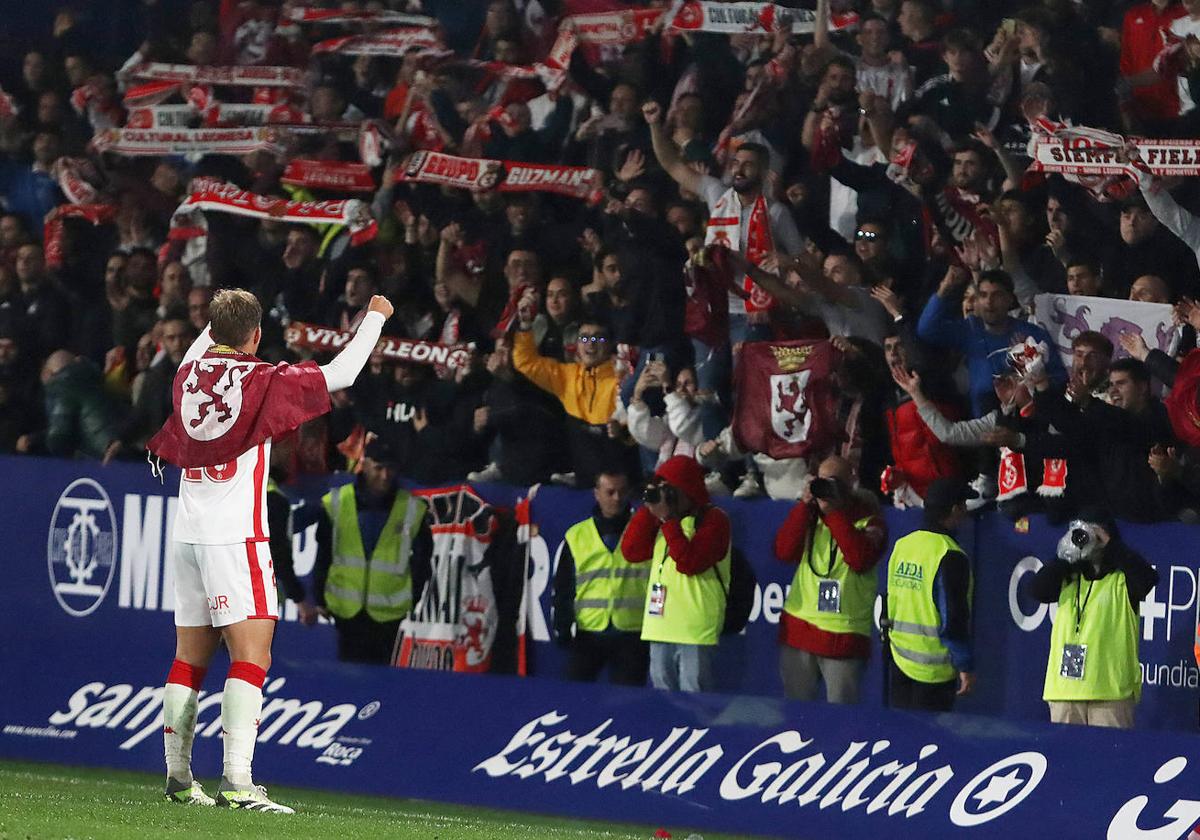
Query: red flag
pixel 1183 400
pixel 785 398
pixel 227 402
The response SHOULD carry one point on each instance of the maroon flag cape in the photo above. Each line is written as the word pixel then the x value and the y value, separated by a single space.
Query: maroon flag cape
pixel 785 402
pixel 227 402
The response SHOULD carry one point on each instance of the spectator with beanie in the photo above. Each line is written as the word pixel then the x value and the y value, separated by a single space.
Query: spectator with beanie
pixel 929 607
pixel 1093 676
pixel 602 594
pixel 686 540
pixel 835 535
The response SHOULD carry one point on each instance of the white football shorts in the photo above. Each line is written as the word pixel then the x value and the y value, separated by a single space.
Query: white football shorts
pixel 219 585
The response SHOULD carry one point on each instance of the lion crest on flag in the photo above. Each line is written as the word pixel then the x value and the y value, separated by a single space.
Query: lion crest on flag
pixel 790 417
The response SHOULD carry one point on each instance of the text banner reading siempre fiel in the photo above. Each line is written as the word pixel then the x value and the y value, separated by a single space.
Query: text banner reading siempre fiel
pixel 122 586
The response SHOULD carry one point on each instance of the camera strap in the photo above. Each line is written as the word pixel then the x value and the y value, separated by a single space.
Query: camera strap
pixel 832 551
pixel 1079 608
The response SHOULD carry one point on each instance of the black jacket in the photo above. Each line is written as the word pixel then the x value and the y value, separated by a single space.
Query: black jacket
pixel 1118 558
pixel 564 577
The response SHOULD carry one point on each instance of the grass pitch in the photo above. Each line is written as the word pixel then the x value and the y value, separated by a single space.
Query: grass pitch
pixel 42 801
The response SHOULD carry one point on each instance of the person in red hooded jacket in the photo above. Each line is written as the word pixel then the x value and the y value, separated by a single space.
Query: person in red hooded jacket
pixel 687 542
pixel 918 457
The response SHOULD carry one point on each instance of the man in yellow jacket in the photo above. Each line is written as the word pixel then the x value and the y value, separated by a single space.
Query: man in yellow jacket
pixel 587 389
pixel 373 558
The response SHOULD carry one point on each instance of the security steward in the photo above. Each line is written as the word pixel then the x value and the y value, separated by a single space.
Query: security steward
pixel 929 606
pixel 373 558
pixel 598 597
pixel 685 541
pixel 835 535
pixel 1093 676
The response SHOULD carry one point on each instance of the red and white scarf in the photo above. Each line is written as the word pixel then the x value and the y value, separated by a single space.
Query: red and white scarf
pixel 315 337
pixel 1088 157
pixel 229 198
pixel 52 233
pixel 241 76
pixel 1012 479
pixel 343 16
pixel 188 141
pixel 328 175
pixel 393 43
pixel 75 179
pixel 629 25
pixel 725 228
pixel 503 175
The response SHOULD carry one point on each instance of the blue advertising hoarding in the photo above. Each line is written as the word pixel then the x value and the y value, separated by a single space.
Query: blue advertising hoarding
pixel 102 619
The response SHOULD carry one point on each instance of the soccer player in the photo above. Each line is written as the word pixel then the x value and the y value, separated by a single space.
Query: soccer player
pixel 228 405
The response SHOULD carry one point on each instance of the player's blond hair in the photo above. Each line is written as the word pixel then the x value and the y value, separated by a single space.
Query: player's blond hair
pixel 235 314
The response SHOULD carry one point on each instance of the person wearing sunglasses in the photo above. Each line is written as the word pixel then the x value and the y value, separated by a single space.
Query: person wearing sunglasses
pixel 587 389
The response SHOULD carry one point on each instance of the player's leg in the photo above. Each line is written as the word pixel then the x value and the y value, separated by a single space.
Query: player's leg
pixel 195 642
pixel 243 575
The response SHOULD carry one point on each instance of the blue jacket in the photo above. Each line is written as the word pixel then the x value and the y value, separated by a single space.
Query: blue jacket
pixel 985 351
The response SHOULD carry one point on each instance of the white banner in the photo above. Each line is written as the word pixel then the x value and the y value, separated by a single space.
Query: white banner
pixel 1066 316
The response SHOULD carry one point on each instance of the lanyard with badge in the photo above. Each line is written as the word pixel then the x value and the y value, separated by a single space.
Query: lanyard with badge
pixel 829 591
pixel 658 592
pixel 1074 656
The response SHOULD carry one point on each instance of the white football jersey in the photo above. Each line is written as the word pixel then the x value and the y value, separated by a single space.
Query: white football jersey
pixel 226 503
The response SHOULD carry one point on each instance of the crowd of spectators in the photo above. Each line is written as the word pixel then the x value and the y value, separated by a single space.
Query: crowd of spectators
pixel 873 178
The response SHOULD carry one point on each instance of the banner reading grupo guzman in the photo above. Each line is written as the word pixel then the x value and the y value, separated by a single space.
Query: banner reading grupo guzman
pixel 88 557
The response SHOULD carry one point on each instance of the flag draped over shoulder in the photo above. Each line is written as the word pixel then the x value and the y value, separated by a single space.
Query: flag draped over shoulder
pixel 785 399
pixel 227 402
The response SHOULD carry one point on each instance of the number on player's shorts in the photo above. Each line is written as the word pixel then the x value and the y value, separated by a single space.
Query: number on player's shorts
pixel 218 472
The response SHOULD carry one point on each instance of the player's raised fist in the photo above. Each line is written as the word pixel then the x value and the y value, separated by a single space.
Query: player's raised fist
pixel 652 111
pixel 381 305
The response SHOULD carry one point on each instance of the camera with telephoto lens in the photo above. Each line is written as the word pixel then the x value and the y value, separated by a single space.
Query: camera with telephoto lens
pixel 1080 543
pixel 825 489
pixel 661 492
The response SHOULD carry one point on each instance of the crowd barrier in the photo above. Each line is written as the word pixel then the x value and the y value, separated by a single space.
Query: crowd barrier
pixel 88 637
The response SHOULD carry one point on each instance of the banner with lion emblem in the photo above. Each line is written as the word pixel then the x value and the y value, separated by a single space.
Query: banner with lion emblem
pixel 1066 316
pixel 454 625
pixel 785 405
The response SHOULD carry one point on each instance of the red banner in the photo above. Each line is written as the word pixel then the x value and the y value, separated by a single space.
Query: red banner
pixel 785 404
pixel 248 76
pixel 503 175
pixel 329 175
pixel 394 43
pixel 303 15
pixel 321 339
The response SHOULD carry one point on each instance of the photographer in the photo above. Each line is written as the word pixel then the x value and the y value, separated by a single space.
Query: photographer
pixel 835 535
pixel 1093 676
pixel 687 542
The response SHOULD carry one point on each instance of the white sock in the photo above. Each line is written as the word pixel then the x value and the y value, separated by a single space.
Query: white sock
pixel 180 699
pixel 240 708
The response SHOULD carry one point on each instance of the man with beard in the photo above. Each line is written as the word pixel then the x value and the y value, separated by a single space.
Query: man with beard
pixel 745 220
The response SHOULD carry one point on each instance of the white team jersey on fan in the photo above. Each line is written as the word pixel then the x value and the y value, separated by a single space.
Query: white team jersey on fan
pixel 227 503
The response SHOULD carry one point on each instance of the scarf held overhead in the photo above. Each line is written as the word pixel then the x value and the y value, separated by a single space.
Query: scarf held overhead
pixel 503 175
pixel 229 198
pixel 315 337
